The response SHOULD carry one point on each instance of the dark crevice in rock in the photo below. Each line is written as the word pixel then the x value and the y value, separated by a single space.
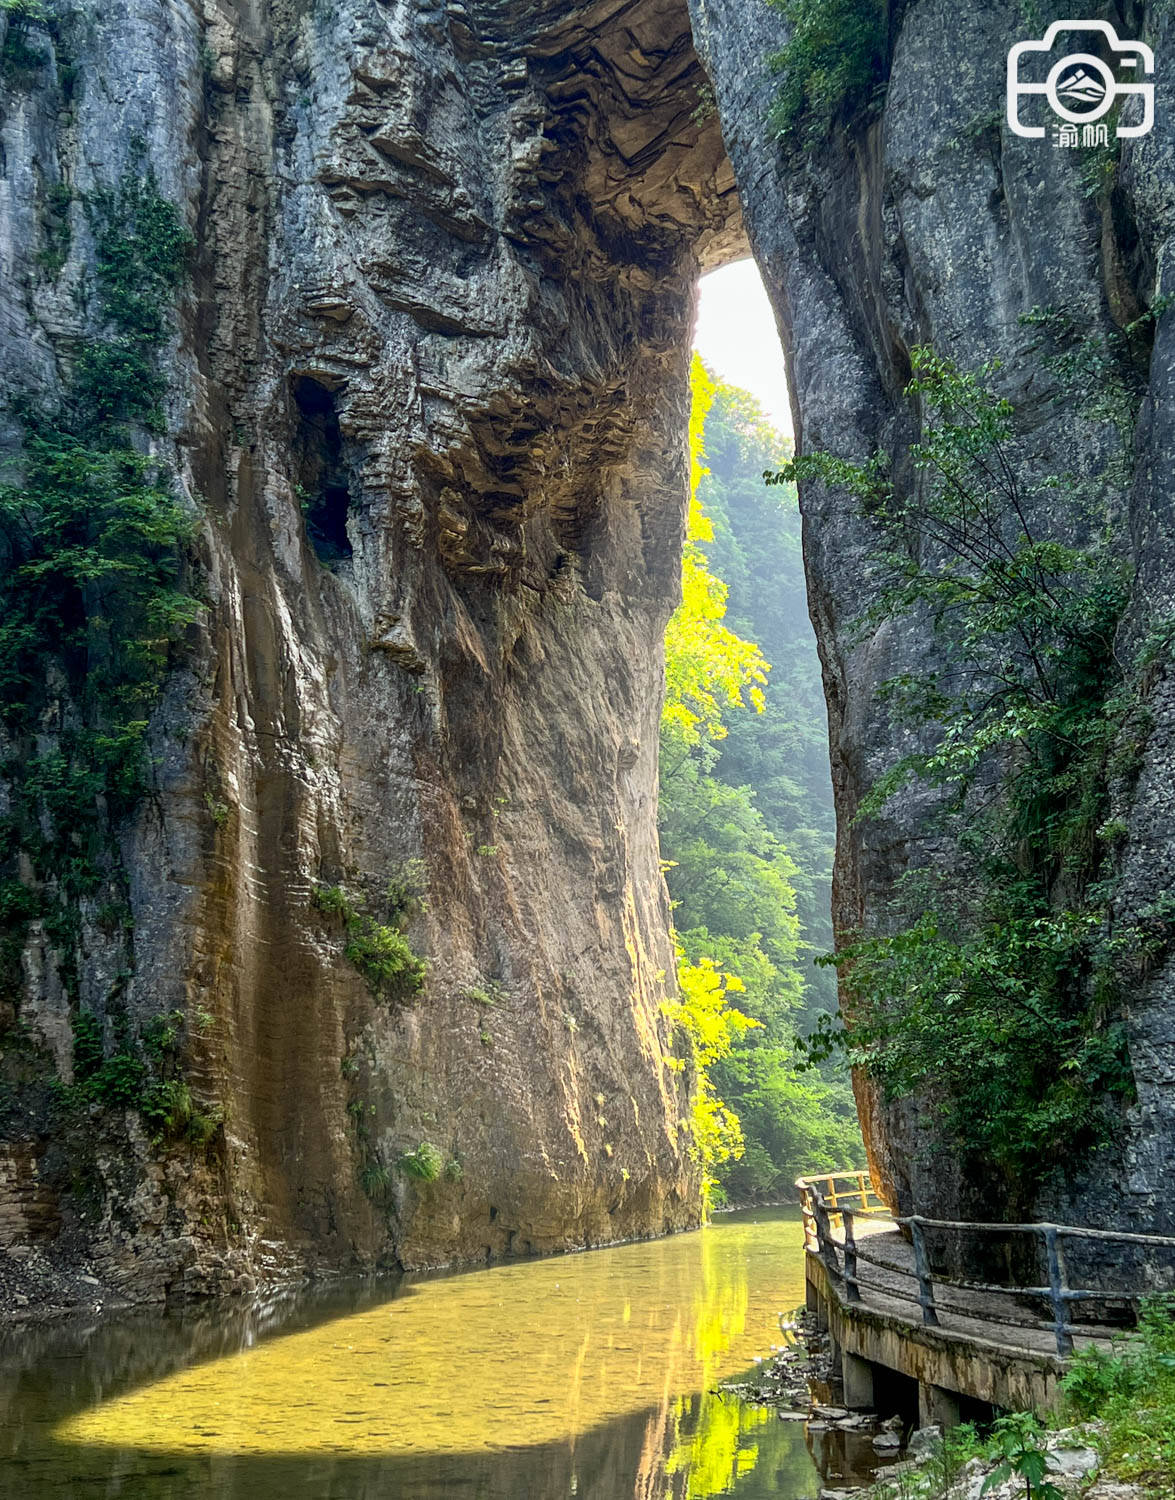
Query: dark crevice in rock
pixel 324 484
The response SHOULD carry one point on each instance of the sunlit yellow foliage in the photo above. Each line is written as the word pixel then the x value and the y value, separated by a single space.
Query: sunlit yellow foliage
pixel 713 1027
pixel 707 666
pixel 707 669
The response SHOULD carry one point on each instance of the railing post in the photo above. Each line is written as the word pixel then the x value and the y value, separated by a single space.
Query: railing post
pixel 824 1240
pixel 809 1218
pixel 1056 1270
pixel 852 1289
pixel 922 1271
pixel 819 1213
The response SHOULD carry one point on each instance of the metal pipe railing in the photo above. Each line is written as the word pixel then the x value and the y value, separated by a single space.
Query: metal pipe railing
pixel 819 1238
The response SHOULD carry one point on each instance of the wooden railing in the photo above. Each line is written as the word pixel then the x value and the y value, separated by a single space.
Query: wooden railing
pixel 835 1200
pixel 819 1211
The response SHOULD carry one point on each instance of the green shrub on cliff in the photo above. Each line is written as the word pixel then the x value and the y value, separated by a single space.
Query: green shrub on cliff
pixel 142 252
pixel 23 13
pixel 832 65
pixel 375 1180
pixel 143 1072
pixel 94 598
pixel 383 955
pixel 997 996
pixel 426 1163
pixel 379 950
pixel 20 61
pixel 92 593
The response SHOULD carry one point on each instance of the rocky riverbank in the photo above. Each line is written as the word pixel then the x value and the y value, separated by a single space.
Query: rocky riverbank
pixel 797 1379
pixel 1071 1467
pixel 877 1455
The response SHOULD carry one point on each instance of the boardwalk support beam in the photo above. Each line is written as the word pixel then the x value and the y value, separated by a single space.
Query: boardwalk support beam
pixel 857 1374
pixel 937 1406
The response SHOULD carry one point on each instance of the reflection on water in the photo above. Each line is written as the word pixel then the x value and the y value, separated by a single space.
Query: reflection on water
pixel 588 1375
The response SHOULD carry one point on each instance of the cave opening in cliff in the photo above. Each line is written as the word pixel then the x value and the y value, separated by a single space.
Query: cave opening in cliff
pixel 323 482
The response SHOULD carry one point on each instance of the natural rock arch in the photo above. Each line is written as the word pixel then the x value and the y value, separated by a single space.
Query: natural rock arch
pixel 477 230
pixel 429 403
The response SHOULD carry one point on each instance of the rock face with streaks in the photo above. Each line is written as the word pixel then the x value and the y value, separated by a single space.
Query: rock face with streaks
pixel 427 398
pixel 426 401
pixel 932 223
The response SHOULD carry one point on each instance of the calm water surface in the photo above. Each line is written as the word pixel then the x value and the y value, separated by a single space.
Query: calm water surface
pixel 585 1375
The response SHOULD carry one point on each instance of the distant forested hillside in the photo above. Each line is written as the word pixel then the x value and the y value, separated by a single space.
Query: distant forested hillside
pixel 746 813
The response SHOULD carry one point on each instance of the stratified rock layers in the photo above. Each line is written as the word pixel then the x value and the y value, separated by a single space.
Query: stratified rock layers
pixel 441 303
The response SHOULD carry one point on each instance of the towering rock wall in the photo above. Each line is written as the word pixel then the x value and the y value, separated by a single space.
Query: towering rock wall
pixel 933 224
pixel 426 403
pixel 427 398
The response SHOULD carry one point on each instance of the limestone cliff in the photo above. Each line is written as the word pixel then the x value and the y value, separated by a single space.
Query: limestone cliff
pixel 425 403
pixel 930 222
pixel 426 400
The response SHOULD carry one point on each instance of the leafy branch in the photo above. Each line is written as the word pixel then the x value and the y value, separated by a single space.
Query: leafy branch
pixel 995 993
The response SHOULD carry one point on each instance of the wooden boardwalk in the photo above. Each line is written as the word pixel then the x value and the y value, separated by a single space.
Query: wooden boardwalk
pixel 888 1282
pixel 871 1282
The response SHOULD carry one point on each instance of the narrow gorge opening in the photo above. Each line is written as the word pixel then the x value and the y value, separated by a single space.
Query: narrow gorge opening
pixel 339 543
pixel 746 820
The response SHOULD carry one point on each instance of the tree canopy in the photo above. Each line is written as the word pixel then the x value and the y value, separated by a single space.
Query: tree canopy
pixel 746 816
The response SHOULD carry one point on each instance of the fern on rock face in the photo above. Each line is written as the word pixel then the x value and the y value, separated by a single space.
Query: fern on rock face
pixel 426 1163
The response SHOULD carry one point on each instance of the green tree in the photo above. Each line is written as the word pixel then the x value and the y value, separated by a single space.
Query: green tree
pixel 999 995
pixel 783 752
pixel 732 878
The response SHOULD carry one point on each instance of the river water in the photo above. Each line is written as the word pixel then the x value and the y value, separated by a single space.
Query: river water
pixel 586 1375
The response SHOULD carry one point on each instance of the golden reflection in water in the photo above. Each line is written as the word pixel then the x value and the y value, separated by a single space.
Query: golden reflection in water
pixel 512 1356
pixel 713 1453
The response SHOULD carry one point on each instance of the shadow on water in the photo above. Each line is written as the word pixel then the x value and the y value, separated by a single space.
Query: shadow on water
pixel 591 1375
pixel 631 1457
